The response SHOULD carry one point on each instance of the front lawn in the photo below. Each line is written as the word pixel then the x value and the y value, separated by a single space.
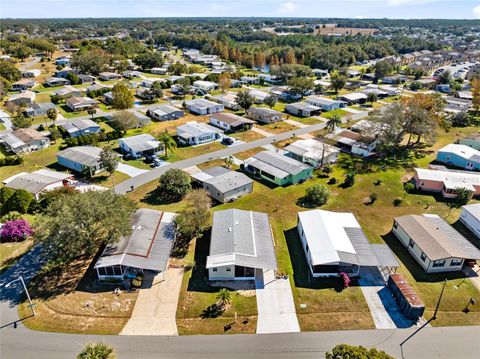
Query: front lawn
pixel 247 136
pixel 278 127
pixel 11 252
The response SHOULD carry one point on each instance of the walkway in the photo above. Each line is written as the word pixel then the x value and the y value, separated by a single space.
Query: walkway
pixel 295 123
pixel 156 306
pixel 276 308
pixel 261 132
pixel 130 170
pixel 385 311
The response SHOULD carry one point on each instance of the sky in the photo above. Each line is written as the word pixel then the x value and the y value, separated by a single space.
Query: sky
pixel 405 9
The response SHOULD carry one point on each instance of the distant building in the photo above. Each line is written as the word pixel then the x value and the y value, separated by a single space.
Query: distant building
pixel 326 104
pixel 38 109
pixel 107 76
pixel 81 159
pixel 302 109
pixel 56 81
pixel 80 103
pixel 165 113
pixel 24 84
pixel 203 107
pixel 26 97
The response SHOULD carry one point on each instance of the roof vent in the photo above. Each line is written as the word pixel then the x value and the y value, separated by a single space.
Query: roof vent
pixel 139 228
pixel 236 222
pixel 229 229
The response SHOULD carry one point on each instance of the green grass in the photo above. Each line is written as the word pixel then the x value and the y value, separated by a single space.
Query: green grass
pixel 11 252
pixel 182 153
pixel 339 112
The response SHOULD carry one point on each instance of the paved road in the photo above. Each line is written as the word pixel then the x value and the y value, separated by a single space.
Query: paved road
pixel 154 174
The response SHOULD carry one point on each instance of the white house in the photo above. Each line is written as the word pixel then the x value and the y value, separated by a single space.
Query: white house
pixel 433 243
pixel 228 101
pixel 206 86
pixel 165 113
pixel 194 133
pixel 470 217
pixel 241 245
pixel 334 242
pixel 80 103
pixel 312 152
pixel 140 145
pixel 203 107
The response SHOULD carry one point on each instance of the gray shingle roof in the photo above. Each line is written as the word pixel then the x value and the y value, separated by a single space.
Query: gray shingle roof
pixel 229 181
pixel 281 162
pixel 141 143
pixel 85 155
pixel 242 238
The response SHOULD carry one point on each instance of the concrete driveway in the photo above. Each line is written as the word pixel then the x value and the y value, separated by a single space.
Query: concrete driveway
pixel 130 170
pixel 156 306
pixel 276 308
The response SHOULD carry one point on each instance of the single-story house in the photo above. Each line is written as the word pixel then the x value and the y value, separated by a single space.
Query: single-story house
pixel 194 133
pixel 39 182
pixel 446 181
pixel 165 113
pixel 68 91
pixel 107 76
pixel 80 103
pixel 264 115
pixel 312 152
pixel 107 97
pixel 85 79
pixel 56 81
pixel 222 184
pixel 353 98
pixel 79 127
pixel 63 73
pixel 228 101
pixel 230 122
pixel 31 73
pixel 140 145
pixel 24 140
pixel 460 156
pixel 24 84
pixel 62 61
pixel 302 109
pixel 95 87
pixel 375 91
pixel 326 104
pixel 283 93
pixel 206 86
pixel 203 107
pixel 456 105
pixel 334 242
pixel 354 142
pixel 25 97
pixel 258 96
pixel 159 70
pixel 241 245
pixel 277 169
pixel 81 159
pixel 250 80
pixel 433 243
pixel 38 109
pixel 472 141
pixel 147 248
pixel 470 217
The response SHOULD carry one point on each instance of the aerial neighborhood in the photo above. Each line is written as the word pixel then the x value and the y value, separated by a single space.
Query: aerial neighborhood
pixel 245 176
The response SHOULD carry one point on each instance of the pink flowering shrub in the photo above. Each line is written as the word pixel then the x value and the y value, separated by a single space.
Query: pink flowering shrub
pixel 346 279
pixel 15 230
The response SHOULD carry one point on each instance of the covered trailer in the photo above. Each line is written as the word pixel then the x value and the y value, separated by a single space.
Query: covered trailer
pixel 406 296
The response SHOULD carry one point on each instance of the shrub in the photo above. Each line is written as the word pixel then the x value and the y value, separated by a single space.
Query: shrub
pixel 409 187
pixel 378 182
pixel 332 180
pixel 5 194
pixel 15 230
pixel 174 185
pixel 20 202
pixel 372 197
pixel 349 179
pixel 317 195
pixel 397 202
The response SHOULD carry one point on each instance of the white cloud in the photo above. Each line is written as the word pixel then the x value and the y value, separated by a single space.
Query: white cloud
pixel 216 8
pixel 287 8
pixel 476 11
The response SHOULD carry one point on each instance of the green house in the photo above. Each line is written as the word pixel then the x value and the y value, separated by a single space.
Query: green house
pixel 277 168
pixel 472 141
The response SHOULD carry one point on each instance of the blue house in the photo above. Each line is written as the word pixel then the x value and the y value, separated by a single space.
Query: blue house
pixel 62 61
pixel 326 104
pixel 460 156
pixel 79 127
pixel 81 159
pixel 443 88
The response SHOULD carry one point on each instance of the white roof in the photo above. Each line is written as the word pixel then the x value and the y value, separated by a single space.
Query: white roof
pixel 325 234
pixel 461 151
pixel 451 179
pixel 473 209
pixel 311 148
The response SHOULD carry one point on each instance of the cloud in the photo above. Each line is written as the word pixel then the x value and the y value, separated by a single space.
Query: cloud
pixel 409 2
pixel 287 8
pixel 476 11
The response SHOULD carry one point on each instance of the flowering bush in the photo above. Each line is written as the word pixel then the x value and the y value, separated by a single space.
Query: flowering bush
pixel 346 279
pixel 15 230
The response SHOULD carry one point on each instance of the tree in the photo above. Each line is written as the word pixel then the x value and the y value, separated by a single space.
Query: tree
pixel 415 86
pixel 109 162
pixel 52 114
pixel 462 197
pixel 460 119
pixel 9 72
pixel 333 122
pixel 124 120
pixel 475 85
pixel 91 61
pixel 224 297
pixel 244 100
pixel 91 111
pixel 317 195
pixel 300 85
pixel 19 202
pixel 390 123
pixel 345 351
pixel 177 69
pixel 155 92
pixel 337 81
pixel 224 81
pixel 184 85
pixel 349 179
pixel 54 133
pixel 20 121
pixel 149 60
pixel 169 144
pixel 122 96
pixel 270 101
pixel 445 77
pixel 382 69
pixel 79 224
pixel 15 230
pixel 288 71
pixel 195 218
pixel 372 97
pixel 73 78
pixel 97 351
pixel 174 185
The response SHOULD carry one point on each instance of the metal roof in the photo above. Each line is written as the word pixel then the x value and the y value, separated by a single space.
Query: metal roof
pixel 85 155
pixel 141 143
pixel 242 238
pixel 148 246
pixel 280 162
pixel 311 148
pixel 473 209
pixel 231 119
pixel 195 129
pixel 229 181
pixel 36 181
pixel 436 238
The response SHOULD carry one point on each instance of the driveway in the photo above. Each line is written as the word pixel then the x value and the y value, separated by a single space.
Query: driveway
pixel 261 132
pixel 276 308
pixel 130 170
pixel 295 123
pixel 156 306
pixel 386 312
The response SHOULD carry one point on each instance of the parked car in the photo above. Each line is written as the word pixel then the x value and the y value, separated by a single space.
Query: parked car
pixel 227 141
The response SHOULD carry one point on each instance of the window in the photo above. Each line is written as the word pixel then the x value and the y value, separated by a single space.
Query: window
pixel 229 269
pixel 411 244
pixel 306 248
pixel 215 269
pixel 423 256
pixel 439 263
pixel 395 225
pixel 455 262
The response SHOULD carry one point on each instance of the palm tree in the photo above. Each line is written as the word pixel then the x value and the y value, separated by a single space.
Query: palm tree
pixel 333 122
pixel 91 111
pixel 372 97
pixel 224 297
pixel 97 351
pixel 169 143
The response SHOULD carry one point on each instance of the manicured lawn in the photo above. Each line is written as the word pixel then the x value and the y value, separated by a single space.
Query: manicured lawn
pixel 156 128
pixel 307 121
pixel 69 300
pixel 246 154
pixel 182 153
pixel 196 295
pixel 278 127
pixel 10 252
pixel 339 112
pixel 42 97
pixel 247 136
